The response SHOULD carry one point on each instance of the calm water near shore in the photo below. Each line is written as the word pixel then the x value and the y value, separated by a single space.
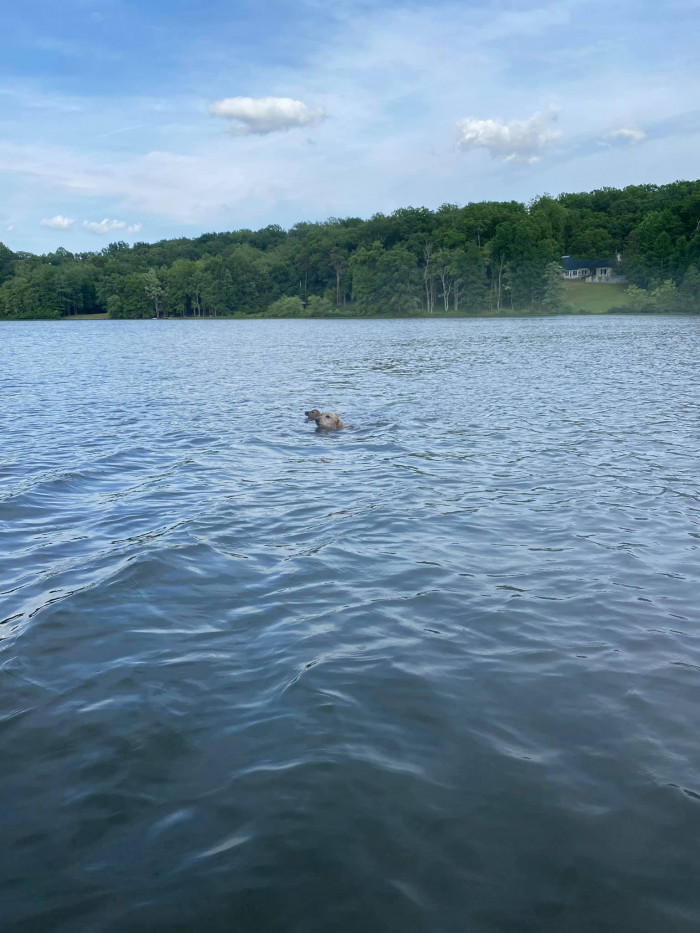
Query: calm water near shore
pixel 439 671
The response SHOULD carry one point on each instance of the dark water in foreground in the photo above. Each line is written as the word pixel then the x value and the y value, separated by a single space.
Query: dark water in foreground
pixel 437 672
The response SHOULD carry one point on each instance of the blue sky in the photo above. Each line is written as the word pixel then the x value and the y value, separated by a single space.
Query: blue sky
pixel 143 120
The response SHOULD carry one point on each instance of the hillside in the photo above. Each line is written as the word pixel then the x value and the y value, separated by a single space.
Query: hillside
pixel 485 256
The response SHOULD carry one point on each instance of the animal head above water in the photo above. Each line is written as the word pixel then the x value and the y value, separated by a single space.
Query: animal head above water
pixel 328 420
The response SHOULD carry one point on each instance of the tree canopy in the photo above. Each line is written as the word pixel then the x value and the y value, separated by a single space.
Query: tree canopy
pixel 484 256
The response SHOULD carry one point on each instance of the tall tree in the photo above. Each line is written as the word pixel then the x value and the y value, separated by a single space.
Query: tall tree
pixel 154 289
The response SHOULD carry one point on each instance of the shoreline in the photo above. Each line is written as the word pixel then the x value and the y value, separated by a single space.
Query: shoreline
pixel 472 315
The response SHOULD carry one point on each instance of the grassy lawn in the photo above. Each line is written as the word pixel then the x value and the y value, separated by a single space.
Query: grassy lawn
pixel 594 297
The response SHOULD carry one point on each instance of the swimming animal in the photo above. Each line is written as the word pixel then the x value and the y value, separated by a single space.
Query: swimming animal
pixel 328 420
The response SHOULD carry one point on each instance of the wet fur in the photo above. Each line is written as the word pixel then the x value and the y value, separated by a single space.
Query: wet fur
pixel 328 420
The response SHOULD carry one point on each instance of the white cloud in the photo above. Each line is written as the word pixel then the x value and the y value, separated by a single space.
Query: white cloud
pixel 10 228
pixel 104 226
pixel 517 141
pixel 262 115
pixel 628 135
pixel 57 223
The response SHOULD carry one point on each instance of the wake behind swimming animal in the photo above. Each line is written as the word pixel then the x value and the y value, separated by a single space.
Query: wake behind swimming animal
pixel 328 420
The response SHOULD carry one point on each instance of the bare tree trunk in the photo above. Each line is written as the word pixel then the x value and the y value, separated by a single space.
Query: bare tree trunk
pixel 445 289
pixel 427 278
pixel 500 278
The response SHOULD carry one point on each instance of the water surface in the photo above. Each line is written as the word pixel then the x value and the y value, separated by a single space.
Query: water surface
pixel 436 672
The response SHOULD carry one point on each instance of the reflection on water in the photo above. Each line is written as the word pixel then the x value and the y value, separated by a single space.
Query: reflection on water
pixel 437 671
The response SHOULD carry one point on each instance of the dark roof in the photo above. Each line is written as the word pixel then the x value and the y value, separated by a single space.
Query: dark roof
pixel 571 264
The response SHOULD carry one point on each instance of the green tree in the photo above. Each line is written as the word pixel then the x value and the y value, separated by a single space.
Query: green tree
pixel 554 290
pixel 689 291
pixel 7 263
pixel 287 306
pixel 154 289
pixel 320 307
pixel 385 281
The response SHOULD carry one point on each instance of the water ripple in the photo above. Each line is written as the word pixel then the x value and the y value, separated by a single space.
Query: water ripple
pixel 435 672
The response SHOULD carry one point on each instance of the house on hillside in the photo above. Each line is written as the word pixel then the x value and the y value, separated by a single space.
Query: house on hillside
pixel 590 270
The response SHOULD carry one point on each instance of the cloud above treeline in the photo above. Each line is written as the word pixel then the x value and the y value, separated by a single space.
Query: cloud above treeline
pixel 517 141
pixel 103 227
pixel 258 116
pixel 59 222
pixel 100 228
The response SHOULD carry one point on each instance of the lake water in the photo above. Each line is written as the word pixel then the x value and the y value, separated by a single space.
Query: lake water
pixel 439 671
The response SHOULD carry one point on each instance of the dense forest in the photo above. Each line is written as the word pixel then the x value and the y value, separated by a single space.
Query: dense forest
pixel 486 256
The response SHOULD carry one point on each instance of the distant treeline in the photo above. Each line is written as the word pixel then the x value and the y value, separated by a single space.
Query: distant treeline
pixel 486 256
